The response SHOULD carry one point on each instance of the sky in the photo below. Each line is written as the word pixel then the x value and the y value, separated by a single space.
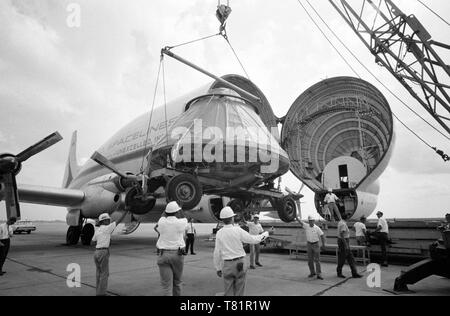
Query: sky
pixel 97 77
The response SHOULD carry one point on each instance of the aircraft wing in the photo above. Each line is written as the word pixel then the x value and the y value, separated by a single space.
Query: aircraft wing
pixel 48 195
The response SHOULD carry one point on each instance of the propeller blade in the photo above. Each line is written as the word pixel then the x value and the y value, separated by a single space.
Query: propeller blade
pixel 289 191
pixel 296 196
pixel 301 188
pixel 11 197
pixel 40 146
pixel 105 162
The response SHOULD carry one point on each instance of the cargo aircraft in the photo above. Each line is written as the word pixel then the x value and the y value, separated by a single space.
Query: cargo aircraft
pixel 217 147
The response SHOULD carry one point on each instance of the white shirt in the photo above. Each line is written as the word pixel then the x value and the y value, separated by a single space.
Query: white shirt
pixel 384 225
pixel 229 242
pixel 313 234
pixel 343 228
pixel 360 228
pixel 5 231
pixel 190 229
pixel 171 233
pixel 331 198
pixel 103 235
pixel 255 229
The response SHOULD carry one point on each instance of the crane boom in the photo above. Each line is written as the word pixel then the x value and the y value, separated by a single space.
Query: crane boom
pixel 402 45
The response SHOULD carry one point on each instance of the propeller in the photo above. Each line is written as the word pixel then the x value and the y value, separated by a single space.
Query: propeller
pixel 108 164
pixel 127 179
pixel 137 195
pixel 10 166
pixel 297 196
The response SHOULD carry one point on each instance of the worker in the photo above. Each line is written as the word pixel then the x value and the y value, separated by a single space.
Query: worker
pixel 191 233
pixel 330 201
pixel 229 254
pixel 101 258
pixel 313 235
pixel 326 213
pixel 344 252
pixel 6 232
pixel 361 231
pixel 446 225
pixel 255 228
pixel 382 233
pixel 171 247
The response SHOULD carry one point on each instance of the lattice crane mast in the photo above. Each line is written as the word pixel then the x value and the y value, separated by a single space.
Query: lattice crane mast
pixel 402 45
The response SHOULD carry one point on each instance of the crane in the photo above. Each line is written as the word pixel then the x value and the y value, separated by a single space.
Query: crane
pixel 402 45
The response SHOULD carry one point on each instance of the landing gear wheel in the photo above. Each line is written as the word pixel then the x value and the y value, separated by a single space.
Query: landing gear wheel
pixel 87 233
pixel 73 235
pixel 186 190
pixel 287 209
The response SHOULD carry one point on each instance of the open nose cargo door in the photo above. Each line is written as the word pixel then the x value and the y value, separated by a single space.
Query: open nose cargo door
pixel 339 134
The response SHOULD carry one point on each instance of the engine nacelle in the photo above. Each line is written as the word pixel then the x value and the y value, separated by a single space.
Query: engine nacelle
pixel 122 192
pixel 110 182
pixel 98 200
pixel 131 201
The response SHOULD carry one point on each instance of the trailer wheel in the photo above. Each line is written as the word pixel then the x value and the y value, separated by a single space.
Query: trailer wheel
pixel 186 190
pixel 287 209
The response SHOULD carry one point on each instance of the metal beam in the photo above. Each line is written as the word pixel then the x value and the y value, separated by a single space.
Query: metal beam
pixel 243 92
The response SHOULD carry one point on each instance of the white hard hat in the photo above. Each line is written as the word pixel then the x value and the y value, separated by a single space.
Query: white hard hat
pixel 256 216
pixel 104 217
pixel 311 218
pixel 330 190
pixel 172 207
pixel 226 212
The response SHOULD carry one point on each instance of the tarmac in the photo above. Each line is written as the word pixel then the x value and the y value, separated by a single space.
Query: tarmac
pixel 38 266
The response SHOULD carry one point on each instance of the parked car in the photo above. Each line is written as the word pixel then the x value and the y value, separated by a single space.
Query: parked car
pixel 23 227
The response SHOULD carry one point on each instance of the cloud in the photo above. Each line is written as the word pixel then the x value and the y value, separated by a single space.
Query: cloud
pixel 98 77
pixel 3 138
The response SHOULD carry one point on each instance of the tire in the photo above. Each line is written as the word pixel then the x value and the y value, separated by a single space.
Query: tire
pixel 186 190
pixel 87 233
pixel 73 235
pixel 29 232
pixel 287 209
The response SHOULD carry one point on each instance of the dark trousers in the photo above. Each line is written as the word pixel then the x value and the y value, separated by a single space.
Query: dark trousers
pixel 4 252
pixel 190 243
pixel 344 254
pixel 383 238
